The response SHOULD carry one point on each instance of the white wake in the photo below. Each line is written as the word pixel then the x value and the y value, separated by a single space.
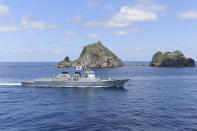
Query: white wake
pixel 10 84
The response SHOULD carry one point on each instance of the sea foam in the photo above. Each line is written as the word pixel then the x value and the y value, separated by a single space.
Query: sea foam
pixel 10 84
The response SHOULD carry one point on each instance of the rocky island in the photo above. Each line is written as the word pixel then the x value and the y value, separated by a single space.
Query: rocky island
pixel 96 54
pixel 171 59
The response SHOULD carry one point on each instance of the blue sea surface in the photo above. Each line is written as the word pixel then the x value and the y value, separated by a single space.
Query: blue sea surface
pixel 155 99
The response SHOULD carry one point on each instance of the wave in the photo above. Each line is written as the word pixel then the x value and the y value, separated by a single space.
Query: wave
pixel 10 84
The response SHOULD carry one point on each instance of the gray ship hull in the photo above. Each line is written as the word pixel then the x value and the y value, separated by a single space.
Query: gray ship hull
pixel 101 83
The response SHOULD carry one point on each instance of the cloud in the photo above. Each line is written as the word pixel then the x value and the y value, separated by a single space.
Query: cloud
pixel 43 51
pixel 127 15
pixel 40 25
pixel 94 4
pixel 93 35
pixel 4 10
pixel 69 33
pixel 121 32
pixel 37 25
pixel 152 7
pixel 125 32
pixel 22 52
pixel 75 18
pixel 52 41
pixel 3 52
pixel 145 1
pixel 32 32
pixel 137 49
pixel 191 14
pixel 56 51
pixel 109 7
pixel 27 23
pixel 136 29
pixel 50 51
pixel 10 28
pixel 94 24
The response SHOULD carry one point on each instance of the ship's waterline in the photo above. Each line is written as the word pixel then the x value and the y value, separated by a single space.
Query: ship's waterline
pixel 101 83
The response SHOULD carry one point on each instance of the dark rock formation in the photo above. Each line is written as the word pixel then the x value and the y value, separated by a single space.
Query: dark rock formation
pixel 171 59
pixel 65 63
pixel 67 59
pixel 96 55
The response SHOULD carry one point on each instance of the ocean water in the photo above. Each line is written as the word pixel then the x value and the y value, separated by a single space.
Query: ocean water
pixel 155 99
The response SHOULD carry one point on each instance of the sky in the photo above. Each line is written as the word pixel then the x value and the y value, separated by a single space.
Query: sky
pixel 49 30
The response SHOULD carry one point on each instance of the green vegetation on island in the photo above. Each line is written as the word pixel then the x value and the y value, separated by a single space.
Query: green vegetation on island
pixel 96 54
pixel 171 59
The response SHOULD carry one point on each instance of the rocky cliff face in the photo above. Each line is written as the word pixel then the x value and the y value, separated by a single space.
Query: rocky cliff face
pixel 96 55
pixel 171 59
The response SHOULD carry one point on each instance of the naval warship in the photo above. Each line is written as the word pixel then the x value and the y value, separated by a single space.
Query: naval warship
pixel 86 78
